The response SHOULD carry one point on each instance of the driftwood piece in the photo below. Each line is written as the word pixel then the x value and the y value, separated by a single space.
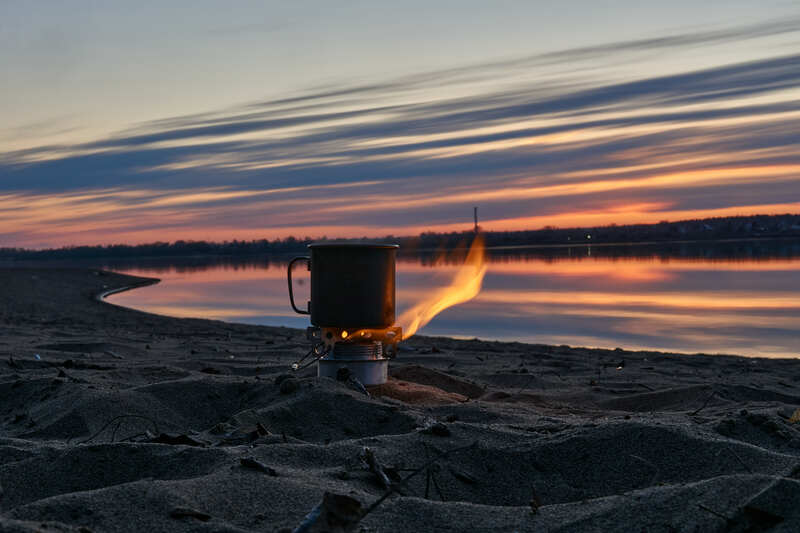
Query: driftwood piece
pixel 336 513
pixel 368 456
pixel 186 512
pixel 115 419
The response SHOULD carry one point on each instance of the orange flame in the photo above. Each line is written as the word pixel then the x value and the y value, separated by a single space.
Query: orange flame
pixel 466 284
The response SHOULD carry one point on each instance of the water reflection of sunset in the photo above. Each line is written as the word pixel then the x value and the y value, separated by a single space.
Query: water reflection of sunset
pixel 714 300
pixel 749 306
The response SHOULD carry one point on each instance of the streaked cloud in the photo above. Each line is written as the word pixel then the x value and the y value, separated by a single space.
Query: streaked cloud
pixel 571 137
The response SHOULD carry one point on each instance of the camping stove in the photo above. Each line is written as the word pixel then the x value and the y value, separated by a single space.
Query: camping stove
pixel 364 352
pixel 352 310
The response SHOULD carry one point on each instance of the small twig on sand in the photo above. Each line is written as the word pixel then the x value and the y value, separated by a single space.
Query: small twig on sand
pixel 428 475
pixel 120 417
pixel 712 511
pixel 185 512
pixel 436 486
pixel 535 502
pixel 339 513
pixel 114 433
pixel 553 372
pixel 745 465
pixel 427 483
pixel 705 403
pixel 422 468
pixel 650 464
pixel 525 386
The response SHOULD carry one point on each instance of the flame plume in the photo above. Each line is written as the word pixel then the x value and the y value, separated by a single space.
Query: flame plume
pixel 466 284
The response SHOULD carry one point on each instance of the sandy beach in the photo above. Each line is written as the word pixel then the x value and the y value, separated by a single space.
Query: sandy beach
pixel 116 420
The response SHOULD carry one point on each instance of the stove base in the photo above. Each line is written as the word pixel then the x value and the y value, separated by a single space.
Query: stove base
pixel 367 371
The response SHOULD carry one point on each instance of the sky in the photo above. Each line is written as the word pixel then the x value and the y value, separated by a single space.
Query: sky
pixel 131 122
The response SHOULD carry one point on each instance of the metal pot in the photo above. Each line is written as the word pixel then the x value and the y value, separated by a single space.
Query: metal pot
pixel 352 285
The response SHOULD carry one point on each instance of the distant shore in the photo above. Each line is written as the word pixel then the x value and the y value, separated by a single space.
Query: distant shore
pixel 115 419
pixel 766 247
pixel 727 229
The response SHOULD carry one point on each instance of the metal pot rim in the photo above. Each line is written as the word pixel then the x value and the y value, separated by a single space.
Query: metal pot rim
pixel 364 245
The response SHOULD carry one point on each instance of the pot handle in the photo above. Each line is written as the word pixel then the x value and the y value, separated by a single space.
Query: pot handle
pixel 289 276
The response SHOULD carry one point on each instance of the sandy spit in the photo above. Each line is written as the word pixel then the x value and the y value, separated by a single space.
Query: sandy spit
pixel 117 420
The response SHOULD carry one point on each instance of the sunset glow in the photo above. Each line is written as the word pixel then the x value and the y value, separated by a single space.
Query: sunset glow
pixel 601 128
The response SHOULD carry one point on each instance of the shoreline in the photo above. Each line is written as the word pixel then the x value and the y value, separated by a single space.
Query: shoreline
pixel 90 260
pixel 113 419
pixel 101 296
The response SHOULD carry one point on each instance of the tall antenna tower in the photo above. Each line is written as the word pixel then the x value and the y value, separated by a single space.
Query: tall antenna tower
pixel 475 216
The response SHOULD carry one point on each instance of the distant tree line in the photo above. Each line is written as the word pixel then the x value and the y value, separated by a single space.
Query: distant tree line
pixel 742 227
pixel 161 249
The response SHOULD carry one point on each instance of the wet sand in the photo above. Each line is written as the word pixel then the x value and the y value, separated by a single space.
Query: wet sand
pixel 116 420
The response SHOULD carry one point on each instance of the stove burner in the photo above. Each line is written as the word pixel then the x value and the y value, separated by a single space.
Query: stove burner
pixel 365 352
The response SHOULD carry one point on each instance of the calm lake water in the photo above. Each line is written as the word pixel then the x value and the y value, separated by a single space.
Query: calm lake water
pixel 738 297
